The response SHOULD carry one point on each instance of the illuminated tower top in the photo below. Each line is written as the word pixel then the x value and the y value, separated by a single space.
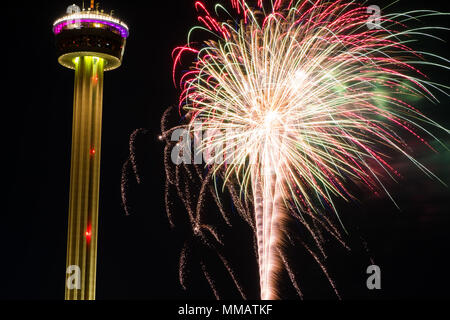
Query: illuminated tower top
pixel 90 32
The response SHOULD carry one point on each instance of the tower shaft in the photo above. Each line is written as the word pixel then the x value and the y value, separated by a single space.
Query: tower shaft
pixel 85 177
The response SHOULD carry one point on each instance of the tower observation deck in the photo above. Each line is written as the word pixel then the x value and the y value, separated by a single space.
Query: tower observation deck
pixel 90 42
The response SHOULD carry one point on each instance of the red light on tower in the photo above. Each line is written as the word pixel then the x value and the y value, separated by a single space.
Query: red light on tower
pixel 88 234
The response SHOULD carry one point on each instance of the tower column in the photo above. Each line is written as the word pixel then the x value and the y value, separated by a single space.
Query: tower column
pixel 85 177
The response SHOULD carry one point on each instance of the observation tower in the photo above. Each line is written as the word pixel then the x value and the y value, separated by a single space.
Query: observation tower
pixel 89 41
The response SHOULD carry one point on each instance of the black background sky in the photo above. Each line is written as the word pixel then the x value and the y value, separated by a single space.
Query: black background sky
pixel 138 254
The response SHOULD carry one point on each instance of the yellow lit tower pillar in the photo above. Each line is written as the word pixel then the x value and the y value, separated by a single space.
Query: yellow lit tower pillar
pixel 90 42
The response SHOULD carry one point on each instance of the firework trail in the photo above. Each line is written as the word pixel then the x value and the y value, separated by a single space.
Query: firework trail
pixel 299 102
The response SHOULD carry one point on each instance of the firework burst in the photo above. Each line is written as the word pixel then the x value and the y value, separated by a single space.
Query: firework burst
pixel 296 102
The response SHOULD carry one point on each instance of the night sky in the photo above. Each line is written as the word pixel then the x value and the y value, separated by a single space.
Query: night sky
pixel 138 254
